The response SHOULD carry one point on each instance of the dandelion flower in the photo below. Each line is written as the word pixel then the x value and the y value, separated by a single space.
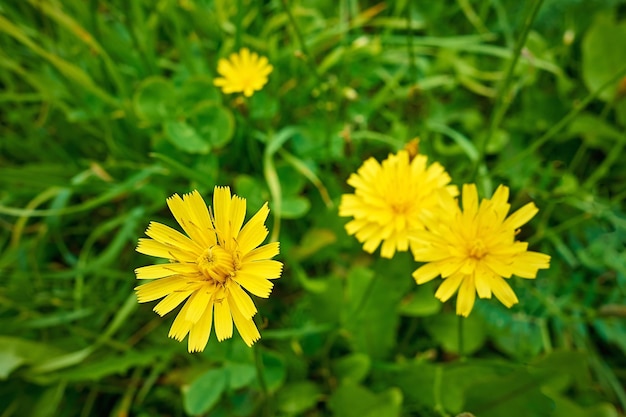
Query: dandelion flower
pixel 474 249
pixel 244 72
pixel 209 268
pixel 388 199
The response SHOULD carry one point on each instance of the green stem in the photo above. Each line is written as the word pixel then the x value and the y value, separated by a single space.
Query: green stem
pixel 409 44
pixel 305 50
pixel 504 98
pixel 563 122
pixel 239 21
pixel 258 362
pixel 461 337
pixel 614 155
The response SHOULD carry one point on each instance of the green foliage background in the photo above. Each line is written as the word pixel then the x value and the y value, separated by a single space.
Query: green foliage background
pixel 107 108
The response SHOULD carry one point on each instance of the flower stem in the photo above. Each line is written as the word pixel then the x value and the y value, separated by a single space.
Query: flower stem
pixel 460 335
pixel 303 47
pixel 258 362
pixel 504 97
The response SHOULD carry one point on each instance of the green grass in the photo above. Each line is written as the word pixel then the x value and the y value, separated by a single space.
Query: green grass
pixel 108 108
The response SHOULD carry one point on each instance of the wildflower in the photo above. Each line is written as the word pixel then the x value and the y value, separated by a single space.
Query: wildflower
pixel 209 268
pixel 475 249
pixel 388 199
pixel 244 72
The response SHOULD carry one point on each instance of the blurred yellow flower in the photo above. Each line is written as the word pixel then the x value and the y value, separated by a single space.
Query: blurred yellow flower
pixel 474 249
pixel 209 268
pixel 244 72
pixel 388 199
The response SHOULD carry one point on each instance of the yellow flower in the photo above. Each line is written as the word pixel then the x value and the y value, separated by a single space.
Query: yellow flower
pixel 244 72
pixel 475 248
pixel 209 268
pixel 388 199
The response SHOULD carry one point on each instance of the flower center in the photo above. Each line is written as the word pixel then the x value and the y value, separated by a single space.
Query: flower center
pixel 477 249
pixel 400 206
pixel 217 264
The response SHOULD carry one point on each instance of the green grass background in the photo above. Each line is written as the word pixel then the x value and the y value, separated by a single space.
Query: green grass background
pixel 107 108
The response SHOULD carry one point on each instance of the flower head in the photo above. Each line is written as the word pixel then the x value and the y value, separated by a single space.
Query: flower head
pixel 474 249
pixel 244 72
pixel 388 199
pixel 209 268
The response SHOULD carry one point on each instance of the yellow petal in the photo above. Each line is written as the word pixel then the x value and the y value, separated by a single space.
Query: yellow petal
pixel 182 214
pixel 466 297
pixel 521 216
pixel 371 244
pixel 160 288
pixel 260 287
pixel 498 265
pixel 170 237
pixel 449 286
pixel 508 249
pixel 171 301
pixel 262 252
pixel 503 291
pixel 180 327
pixel 239 300
pixel 266 268
pixel 223 320
pixel 470 201
pixel 161 250
pixel 482 279
pixel 166 270
pixel 500 197
pixel 426 273
pixel 527 264
pixel 246 328
pixel 200 217
pixel 200 332
pixel 431 253
pixel 198 304
pixel 450 266
pixel 388 248
pixel 237 215
pixel 254 232
pixel 221 207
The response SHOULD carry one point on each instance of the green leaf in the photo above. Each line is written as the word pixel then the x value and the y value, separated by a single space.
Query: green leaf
pixel 596 132
pixel 203 393
pixel 274 370
pixel 253 189
pixel 214 123
pixel 294 207
pixel 263 106
pixel 49 401
pixel 350 400
pixel 195 90
pixel 298 397
pixel 564 407
pixel 444 329
pixel 421 302
pixel 313 241
pixel 352 368
pixel 603 53
pixel 109 364
pixel 408 376
pixel 9 361
pixel 154 100
pixel 240 375
pixel 185 138
pixel 370 313
pixel 517 394
pixel 515 335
